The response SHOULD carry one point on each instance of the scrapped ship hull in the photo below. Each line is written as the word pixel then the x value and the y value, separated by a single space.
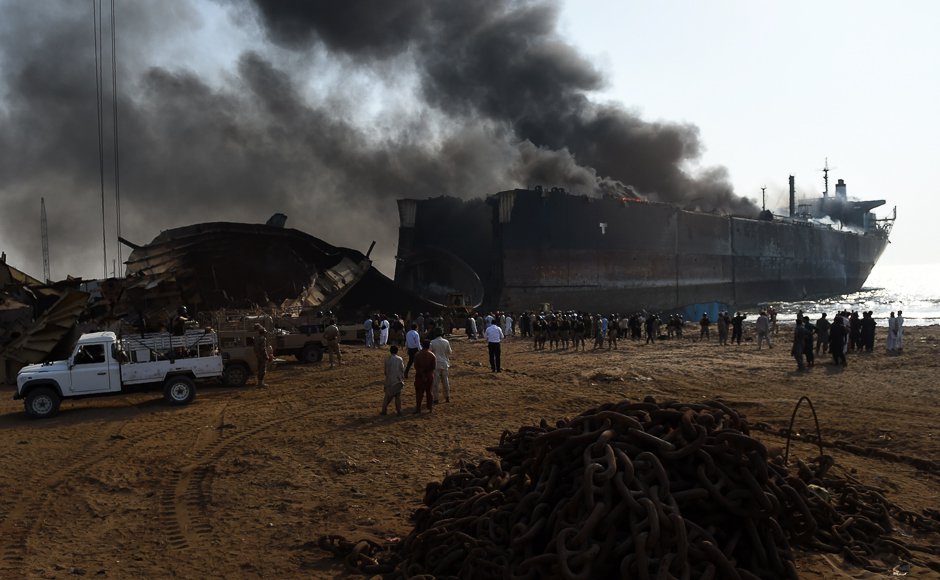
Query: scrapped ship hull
pixel 577 252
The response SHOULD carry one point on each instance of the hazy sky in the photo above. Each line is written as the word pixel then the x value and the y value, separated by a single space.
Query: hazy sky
pixel 231 112
pixel 777 87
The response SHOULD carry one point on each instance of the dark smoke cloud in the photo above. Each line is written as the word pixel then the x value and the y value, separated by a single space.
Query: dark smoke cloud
pixel 502 104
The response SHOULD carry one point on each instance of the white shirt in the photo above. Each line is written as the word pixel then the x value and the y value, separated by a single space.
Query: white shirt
pixel 413 339
pixel 440 346
pixel 494 333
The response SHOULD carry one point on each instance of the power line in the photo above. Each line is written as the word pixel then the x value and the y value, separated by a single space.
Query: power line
pixel 117 173
pixel 96 8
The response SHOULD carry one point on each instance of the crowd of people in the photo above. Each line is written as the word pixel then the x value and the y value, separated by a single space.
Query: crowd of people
pixel 847 332
pixel 428 352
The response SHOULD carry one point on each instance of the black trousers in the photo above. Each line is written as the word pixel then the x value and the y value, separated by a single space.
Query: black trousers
pixel 494 348
pixel 411 359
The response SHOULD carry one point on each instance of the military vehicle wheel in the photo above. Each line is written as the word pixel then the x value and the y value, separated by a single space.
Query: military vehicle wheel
pixel 179 390
pixel 311 354
pixel 42 403
pixel 235 375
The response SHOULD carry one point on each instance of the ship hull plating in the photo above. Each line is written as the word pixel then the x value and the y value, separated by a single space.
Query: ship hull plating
pixel 607 254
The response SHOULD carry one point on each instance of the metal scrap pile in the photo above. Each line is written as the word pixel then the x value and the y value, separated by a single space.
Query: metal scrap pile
pixel 635 490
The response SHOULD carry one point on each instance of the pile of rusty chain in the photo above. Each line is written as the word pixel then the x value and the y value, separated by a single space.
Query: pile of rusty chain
pixel 636 490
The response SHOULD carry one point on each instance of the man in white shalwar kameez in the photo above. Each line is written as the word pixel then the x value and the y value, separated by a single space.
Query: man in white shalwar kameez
pixel 383 331
pixel 892 333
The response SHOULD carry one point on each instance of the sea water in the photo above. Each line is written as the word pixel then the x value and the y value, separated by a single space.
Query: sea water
pixel 912 288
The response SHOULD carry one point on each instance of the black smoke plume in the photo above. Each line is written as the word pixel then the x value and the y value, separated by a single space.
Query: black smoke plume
pixel 485 96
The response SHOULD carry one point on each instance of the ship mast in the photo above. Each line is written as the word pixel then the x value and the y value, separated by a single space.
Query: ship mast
pixel 763 195
pixel 825 171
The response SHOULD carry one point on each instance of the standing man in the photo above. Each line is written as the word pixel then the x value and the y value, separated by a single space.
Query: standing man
pixel 440 346
pixel 331 335
pixel 799 343
pixel 900 338
pixel 394 380
pixel 892 334
pixel 507 325
pixel 868 331
pixel 737 327
pixel 425 363
pixel 261 353
pixel 837 341
pixel 367 325
pixel 763 330
pixel 822 334
pixel 413 344
pixel 494 336
pixel 705 323
pixel 383 331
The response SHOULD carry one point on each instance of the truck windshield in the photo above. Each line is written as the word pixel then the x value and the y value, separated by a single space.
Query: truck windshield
pixel 90 353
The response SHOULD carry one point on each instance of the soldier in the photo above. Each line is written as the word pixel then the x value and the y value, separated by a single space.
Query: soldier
pixel 579 330
pixel 541 331
pixel 331 335
pixel 612 330
pixel 564 329
pixel 553 332
pixel 180 321
pixel 261 353
pixel 705 323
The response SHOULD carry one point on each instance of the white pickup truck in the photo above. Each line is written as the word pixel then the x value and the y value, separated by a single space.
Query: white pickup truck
pixel 102 365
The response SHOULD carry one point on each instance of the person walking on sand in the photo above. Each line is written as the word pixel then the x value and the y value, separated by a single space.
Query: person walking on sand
pixel 331 336
pixel 799 342
pixel 413 344
pixel 425 363
pixel 494 336
pixel 394 380
pixel 763 330
pixel 261 353
pixel 440 346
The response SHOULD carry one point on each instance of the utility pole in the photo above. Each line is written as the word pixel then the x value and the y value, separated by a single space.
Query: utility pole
pixel 44 230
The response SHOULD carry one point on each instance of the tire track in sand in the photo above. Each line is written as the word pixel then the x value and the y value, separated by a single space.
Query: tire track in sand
pixel 187 497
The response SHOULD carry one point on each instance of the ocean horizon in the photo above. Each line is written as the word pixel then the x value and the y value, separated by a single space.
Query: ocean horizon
pixel 911 288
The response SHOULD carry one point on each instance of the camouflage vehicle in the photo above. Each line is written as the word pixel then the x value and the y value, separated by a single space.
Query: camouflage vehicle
pixel 237 334
pixel 455 312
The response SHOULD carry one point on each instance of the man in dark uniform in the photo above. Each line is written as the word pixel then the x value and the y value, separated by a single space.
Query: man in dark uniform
pixel 261 353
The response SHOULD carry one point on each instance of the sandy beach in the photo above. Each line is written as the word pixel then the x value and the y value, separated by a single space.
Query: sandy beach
pixel 242 482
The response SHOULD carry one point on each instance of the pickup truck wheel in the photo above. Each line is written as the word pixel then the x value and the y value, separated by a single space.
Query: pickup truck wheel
pixel 42 403
pixel 235 375
pixel 179 390
pixel 311 354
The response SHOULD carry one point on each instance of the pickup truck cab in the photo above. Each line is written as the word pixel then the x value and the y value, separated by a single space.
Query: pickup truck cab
pixel 102 365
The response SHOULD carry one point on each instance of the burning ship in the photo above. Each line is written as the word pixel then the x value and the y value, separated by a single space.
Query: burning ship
pixel 520 248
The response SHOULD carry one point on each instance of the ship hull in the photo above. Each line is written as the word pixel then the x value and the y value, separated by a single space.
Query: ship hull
pixel 604 255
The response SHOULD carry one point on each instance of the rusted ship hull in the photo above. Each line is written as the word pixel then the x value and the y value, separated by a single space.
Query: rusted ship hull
pixel 577 252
